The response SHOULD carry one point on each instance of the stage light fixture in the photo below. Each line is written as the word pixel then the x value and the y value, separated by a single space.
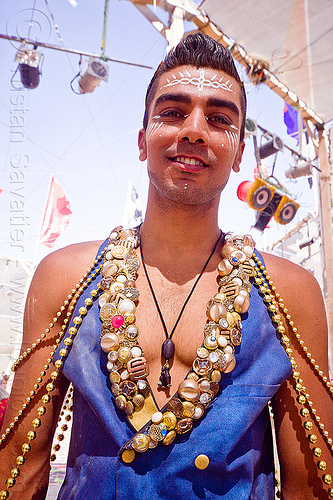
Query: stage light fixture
pixel 302 169
pixel 306 243
pixel 28 60
pixel 95 73
pixel 251 127
pixel 270 147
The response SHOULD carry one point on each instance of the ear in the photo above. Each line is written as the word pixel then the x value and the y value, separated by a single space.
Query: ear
pixel 142 145
pixel 238 157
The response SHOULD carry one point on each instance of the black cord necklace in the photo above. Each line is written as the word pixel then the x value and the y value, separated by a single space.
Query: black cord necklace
pixel 168 346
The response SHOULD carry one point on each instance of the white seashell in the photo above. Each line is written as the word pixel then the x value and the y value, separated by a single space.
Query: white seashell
pixel 157 417
pixel 116 287
pixel 136 352
pixel 121 278
pixel 222 341
pixel 124 375
pixel 126 306
pixel 248 251
pixel 213 356
pixel 110 366
pixel 103 299
pixel 198 412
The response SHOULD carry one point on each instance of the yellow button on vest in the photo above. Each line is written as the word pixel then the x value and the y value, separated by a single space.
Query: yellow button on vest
pixel 201 462
pixel 128 456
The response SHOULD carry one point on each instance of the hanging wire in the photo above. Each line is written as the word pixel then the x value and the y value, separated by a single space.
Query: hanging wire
pixel 75 77
pixel 32 18
pixel 55 24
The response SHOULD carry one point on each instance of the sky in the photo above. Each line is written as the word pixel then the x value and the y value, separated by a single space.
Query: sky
pixel 89 142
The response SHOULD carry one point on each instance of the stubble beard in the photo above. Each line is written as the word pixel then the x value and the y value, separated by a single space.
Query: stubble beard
pixel 185 192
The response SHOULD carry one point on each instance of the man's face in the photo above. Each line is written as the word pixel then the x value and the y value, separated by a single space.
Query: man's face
pixel 192 138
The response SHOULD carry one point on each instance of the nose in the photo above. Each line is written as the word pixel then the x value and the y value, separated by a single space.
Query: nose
pixel 194 128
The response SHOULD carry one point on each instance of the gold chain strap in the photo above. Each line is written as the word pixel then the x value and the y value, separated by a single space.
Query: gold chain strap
pixel 63 422
pixel 36 422
pixel 275 303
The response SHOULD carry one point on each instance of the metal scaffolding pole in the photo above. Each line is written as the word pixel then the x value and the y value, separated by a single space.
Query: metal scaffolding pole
pixel 325 201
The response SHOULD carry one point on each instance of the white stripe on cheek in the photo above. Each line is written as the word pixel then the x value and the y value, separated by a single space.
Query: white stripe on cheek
pixel 232 139
pixel 153 127
pixel 228 137
pixel 235 139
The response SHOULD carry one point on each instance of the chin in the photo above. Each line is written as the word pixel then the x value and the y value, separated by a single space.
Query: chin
pixel 191 197
pixel 184 192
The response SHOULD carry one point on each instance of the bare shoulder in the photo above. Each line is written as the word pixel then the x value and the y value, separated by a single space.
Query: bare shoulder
pixel 292 281
pixel 73 258
pixel 303 299
pixel 66 266
pixel 55 277
pixel 281 267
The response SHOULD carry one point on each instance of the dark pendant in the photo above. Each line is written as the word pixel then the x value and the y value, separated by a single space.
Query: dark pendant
pixel 165 377
pixel 168 349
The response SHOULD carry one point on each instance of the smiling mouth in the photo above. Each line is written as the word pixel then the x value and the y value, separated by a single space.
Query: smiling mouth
pixel 189 161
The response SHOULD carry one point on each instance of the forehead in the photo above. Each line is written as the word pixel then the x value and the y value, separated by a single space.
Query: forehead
pixel 198 82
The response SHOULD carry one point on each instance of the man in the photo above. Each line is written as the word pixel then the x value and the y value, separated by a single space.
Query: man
pixel 212 439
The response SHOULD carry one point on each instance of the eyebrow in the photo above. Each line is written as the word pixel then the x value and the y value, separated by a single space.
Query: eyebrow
pixel 223 103
pixel 186 99
pixel 177 97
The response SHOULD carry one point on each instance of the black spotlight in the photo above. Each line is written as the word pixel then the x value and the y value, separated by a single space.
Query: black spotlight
pixel 28 60
pixel 274 145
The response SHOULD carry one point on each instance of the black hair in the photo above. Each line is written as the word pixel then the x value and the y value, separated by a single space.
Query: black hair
pixel 202 51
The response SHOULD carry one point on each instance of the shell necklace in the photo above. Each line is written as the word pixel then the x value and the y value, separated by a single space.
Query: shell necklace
pixel 168 346
pixel 126 363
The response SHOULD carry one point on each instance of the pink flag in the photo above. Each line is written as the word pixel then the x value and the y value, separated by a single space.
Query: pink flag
pixel 56 215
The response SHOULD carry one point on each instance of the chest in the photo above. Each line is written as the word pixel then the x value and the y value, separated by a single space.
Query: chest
pixel 187 335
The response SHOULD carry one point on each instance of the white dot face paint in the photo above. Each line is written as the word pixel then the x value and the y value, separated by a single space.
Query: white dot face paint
pixel 200 82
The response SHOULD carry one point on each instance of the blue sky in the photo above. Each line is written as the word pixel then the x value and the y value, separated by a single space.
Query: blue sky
pixel 89 142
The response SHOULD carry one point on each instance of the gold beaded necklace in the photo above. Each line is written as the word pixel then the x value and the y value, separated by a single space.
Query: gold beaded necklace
pixel 232 261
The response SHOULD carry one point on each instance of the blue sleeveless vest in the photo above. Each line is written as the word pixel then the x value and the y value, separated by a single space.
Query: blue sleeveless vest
pixel 235 432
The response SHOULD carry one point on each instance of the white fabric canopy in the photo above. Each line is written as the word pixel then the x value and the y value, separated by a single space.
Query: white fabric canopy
pixel 295 38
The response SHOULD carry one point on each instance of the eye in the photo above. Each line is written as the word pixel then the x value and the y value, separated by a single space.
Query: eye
pixel 219 120
pixel 172 113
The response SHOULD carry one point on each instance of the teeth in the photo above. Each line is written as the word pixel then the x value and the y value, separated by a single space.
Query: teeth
pixel 188 161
